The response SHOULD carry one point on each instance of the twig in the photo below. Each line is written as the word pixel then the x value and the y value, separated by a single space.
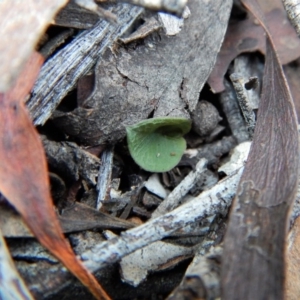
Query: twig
pixel 174 198
pixel 251 70
pixel 238 83
pixel 212 152
pixel 104 176
pixel 136 266
pixel 214 201
pixel 231 109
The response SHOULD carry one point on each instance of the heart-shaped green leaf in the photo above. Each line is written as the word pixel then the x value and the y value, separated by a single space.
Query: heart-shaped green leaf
pixel 157 145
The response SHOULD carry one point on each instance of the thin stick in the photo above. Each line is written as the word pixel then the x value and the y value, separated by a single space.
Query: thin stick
pixel 174 198
pixel 214 201
pixel 248 113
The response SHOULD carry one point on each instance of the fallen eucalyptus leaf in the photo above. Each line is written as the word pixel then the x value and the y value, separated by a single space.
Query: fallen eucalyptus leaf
pixel 157 144
pixel 24 179
pixel 253 260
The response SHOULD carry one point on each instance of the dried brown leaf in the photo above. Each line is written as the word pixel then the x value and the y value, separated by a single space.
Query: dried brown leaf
pixel 21 25
pixel 76 217
pixel 24 179
pixel 247 36
pixel 253 260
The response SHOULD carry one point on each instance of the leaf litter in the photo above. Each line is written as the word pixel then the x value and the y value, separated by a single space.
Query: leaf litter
pixel 198 225
pixel 26 185
pixel 247 36
pixel 259 217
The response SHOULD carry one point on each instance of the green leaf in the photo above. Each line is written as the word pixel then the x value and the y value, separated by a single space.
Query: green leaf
pixel 157 145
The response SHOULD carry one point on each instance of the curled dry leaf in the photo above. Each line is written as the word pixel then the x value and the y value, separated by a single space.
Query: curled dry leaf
pixel 247 36
pixel 253 260
pixel 23 175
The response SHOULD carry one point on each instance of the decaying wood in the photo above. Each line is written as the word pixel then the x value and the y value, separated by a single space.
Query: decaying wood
pixel 214 201
pixel 154 185
pixel 231 109
pixel 135 80
pixel 248 113
pixel 49 47
pixel 207 203
pixel 62 279
pixel 71 161
pixel 253 260
pixel 151 25
pixel 75 16
pixel 128 89
pixel 136 266
pixel 60 73
pixel 202 277
pixel 248 67
pixel 30 250
pixel 24 179
pixel 104 175
pixel 57 279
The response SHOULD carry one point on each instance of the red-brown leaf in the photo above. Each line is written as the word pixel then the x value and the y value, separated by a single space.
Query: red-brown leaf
pixel 23 175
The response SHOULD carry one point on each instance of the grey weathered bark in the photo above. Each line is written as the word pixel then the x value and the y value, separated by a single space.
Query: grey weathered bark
pixel 292 8
pixel 60 73
pixel 163 73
